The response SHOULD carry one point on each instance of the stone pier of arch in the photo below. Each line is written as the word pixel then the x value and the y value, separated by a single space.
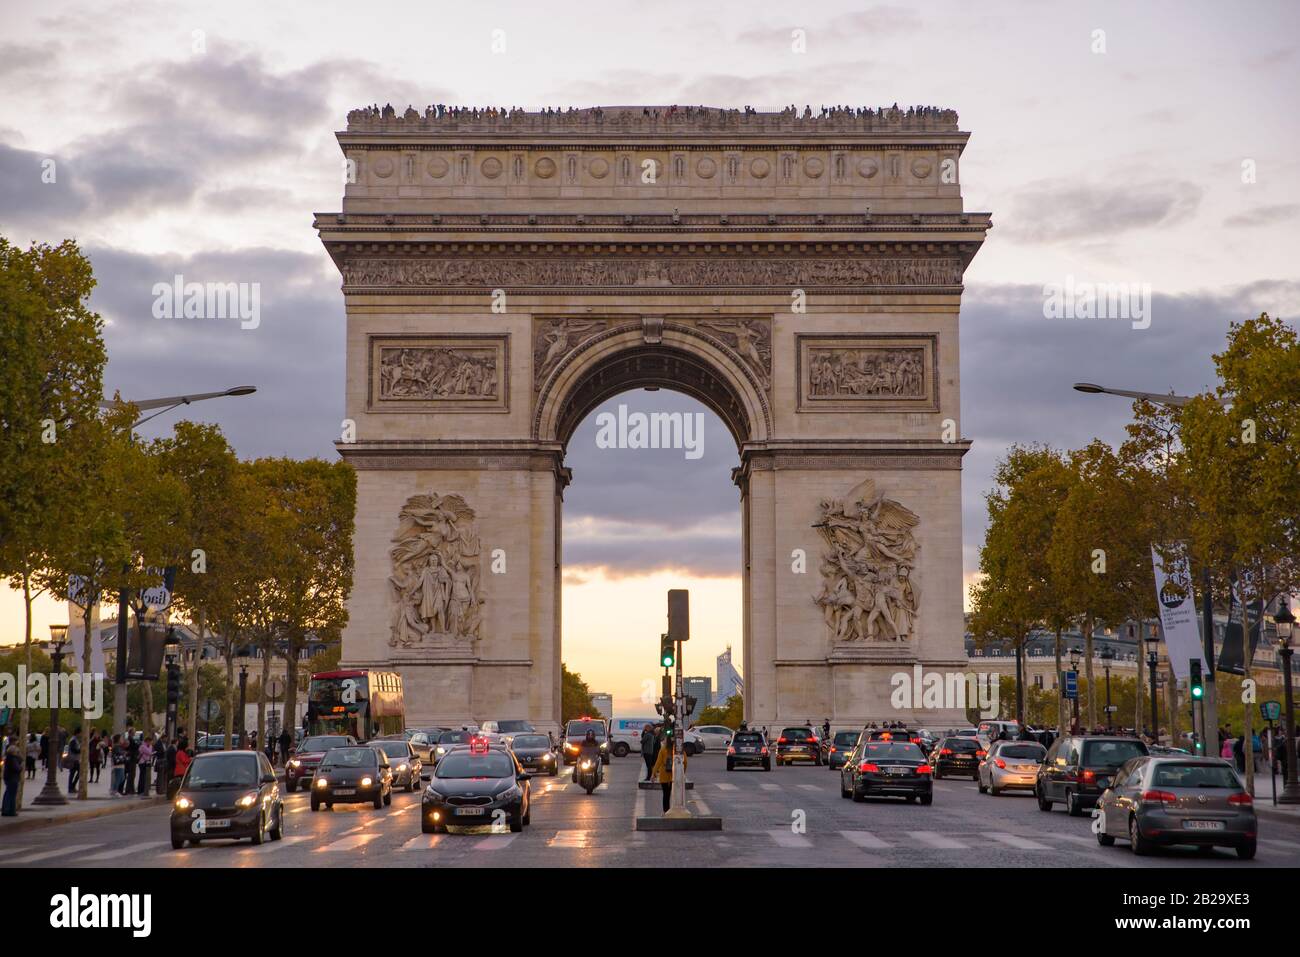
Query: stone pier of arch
pixel 502 276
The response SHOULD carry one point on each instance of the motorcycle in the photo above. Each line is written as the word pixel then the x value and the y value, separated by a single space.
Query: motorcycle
pixel 589 774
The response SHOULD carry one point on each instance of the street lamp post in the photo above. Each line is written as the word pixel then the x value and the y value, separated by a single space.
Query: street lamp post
pixel 171 649
pixel 1285 622
pixel 1107 655
pixel 1152 639
pixel 243 697
pixel 1074 666
pixel 50 793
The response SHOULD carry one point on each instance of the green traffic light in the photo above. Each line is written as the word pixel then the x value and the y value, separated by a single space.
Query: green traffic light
pixel 1197 692
pixel 667 661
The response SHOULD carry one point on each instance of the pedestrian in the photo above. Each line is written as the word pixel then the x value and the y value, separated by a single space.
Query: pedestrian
pixel 117 783
pixel 12 777
pixel 1226 750
pixel 663 771
pixel 132 758
pixel 45 750
pixel 146 767
pixel 73 762
pixel 648 749
pixel 286 742
pixel 33 752
pixel 182 764
pixel 96 756
pixel 1239 754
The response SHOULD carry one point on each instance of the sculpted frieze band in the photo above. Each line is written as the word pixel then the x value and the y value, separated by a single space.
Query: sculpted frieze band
pixel 438 373
pixel 383 273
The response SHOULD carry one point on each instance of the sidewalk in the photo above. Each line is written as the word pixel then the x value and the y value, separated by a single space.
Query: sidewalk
pixel 1264 799
pixel 99 802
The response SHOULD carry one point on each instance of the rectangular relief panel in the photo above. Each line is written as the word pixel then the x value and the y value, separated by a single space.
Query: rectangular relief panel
pixel 868 373
pixel 449 373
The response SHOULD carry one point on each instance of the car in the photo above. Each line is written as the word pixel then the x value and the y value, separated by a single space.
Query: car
pixel 897 768
pixel 1162 800
pixel 839 747
pixel 576 730
pixel 798 744
pixel 1162 750
pixel 304 759
pixel 449 738
pixel 482 784
pixel 957 755
pixel 424 740
pixel 404 761
pixel 748 749
pixel 1079 767
pixel 715 736
pixel 965 733
pixel 350 775
pixel 500 732
pixel 692 742
pixel 897 734
pixel 230 795
pixel 535 752
pixel 1010 765
pixel 990 731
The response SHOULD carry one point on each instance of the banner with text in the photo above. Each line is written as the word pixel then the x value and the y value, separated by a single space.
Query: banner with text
pixel 1178 618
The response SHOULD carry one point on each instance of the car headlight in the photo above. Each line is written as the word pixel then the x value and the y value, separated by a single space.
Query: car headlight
pixel 401 767
pixel 184 804
pixel 366 782
pixel 570 746
pixel 603 745
pixel 548 757
pixel 321 782
pixel 248 800
pixel 295 763
pixel 442 750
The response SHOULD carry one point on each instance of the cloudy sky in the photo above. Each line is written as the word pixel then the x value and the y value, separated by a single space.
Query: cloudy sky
pixel 1113 142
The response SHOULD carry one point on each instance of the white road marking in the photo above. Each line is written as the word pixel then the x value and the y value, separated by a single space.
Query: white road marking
pixel 1289 845
pixel 57 852
pixel 495 842
pixel 403 809
pixel 270 846
pixel 700 803
pixel 1077 839
pixel 786 838
pixel 298 810
pixel 350 843
pixel 124 851
pixel 726 787
pixel 865 839
pixel 569 838
pixel 771 787
pixel 14 850
pixel 1023 843
pixel 939 841
pixel 809 787
pixel 422 842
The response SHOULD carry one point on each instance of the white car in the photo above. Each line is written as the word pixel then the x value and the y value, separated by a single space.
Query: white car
pixel 714 737
pixel 502 732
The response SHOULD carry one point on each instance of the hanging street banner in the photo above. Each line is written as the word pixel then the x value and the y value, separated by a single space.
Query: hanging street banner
pixel 160 596
pixel 1237 635
pixel 1177 602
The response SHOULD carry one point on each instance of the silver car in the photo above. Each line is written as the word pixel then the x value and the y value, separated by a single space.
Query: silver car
pixel 404 761
pixel 1010 765
pixel 1156 801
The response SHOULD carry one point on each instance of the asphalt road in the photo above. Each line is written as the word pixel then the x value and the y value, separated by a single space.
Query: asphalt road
pixel 790 817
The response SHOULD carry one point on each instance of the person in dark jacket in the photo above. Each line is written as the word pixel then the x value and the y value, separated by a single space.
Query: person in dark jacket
pixel 648 748
pixel 74 760
pixel 12 777
pixel 286 742
pixel 132 747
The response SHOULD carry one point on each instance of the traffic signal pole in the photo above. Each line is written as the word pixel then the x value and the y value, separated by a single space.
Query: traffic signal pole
pixel 677 807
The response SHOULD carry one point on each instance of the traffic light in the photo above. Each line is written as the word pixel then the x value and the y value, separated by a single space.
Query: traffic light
pixel 667 652
pixel 670 729
pixel 173 684
pixel 1197 685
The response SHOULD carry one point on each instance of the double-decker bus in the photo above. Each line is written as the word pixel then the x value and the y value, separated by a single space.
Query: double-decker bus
pixel 361 702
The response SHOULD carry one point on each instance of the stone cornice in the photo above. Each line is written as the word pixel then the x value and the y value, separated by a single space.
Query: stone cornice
pixel 339 225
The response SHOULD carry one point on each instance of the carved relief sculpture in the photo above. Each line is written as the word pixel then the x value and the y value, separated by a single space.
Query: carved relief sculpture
pixel 553 339
pixel 433 372
pixel 847 373
pixel 751 339
pixel 868 591
pixel 435 580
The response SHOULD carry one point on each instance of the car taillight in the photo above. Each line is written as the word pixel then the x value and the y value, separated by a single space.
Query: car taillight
pixel 1163 797
pixel 1000 763
pixel 812 740
pixel 764 751
pixel 780 740
pixel 868 768
pixel 923 769
pixel 1242 800
pixel 731 750
pixel 832 749
pixel 980 754
pixel 945 750
pixel 916 740
pixel 1087 777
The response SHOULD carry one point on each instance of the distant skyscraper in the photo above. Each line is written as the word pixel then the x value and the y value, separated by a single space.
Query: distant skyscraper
pixel 729 680
pixel 701 689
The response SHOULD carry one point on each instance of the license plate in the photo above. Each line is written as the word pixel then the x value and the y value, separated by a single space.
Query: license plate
pixel 217 823
pixel 344 792
pixel 895 770
pixel 469 811
pixel 1203 825
pixel 747 750
pixel 1027 768
pixel 798 747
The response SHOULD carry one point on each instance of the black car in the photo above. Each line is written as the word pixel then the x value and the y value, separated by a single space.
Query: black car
pixel 839 748
pixel 798 744
pixel 474 786
pixel 957 755
pixel 748 749
pixel 887 768
pixel 351 775
pixel 1079 767
pixel 535 752
pixel 227 794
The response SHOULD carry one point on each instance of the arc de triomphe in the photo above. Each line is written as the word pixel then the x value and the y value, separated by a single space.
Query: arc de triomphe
pixel 801 276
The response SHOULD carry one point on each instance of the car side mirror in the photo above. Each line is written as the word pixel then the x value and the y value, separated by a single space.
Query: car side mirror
pixel 524 776
pixel 268 778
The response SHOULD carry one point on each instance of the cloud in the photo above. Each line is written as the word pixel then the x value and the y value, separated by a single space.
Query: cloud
pixel 1264 216
pixel 1053 211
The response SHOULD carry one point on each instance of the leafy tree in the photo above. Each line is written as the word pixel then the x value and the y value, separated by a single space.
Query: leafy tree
pixel 51 379
pixel 730 714
pixel 575 696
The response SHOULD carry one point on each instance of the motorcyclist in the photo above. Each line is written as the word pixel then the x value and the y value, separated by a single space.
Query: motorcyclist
pixel 589 748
